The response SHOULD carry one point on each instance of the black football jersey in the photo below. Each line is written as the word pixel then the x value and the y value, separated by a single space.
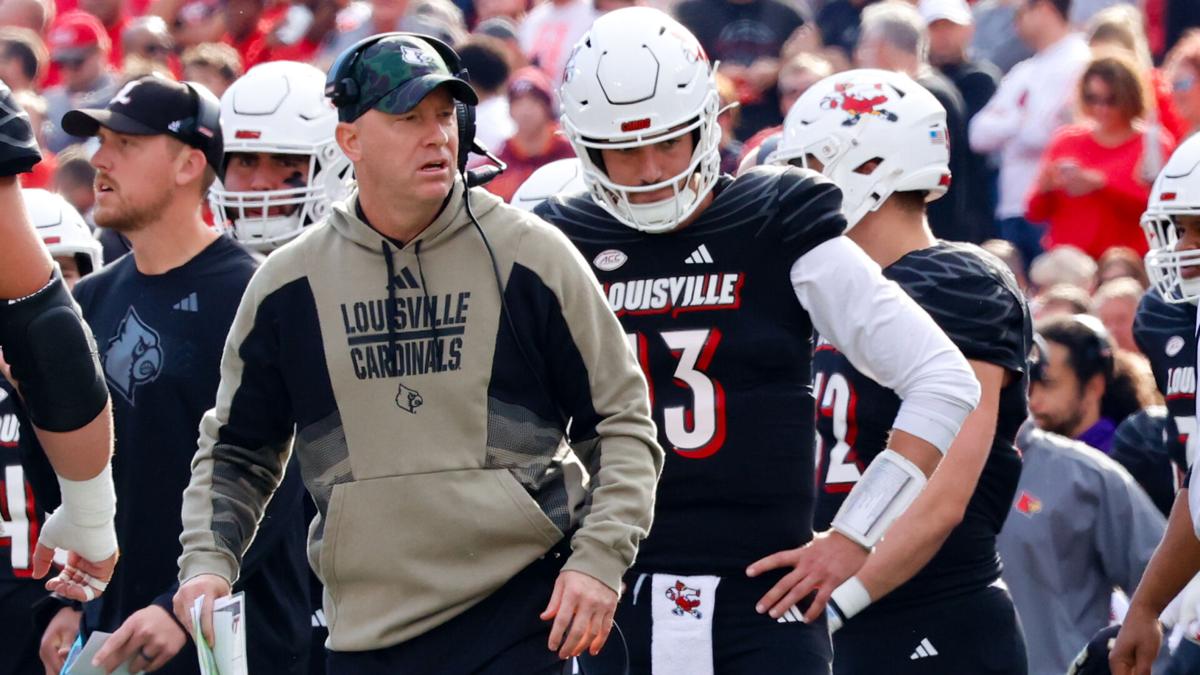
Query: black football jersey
pixel 727 351
pixel 974 298
pixel 21 508
pixel 1166 333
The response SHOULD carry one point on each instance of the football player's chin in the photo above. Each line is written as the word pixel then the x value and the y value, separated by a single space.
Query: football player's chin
pixel 1189 272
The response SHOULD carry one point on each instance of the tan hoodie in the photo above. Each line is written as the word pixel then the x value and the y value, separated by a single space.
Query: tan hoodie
pixel 432 442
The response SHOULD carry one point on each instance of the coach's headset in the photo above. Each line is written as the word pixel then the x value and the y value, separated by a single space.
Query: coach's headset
pixel 343 90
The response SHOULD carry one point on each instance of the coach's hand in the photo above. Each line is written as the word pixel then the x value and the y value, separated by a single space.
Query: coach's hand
pixel 57 640
pixel 211 587
pixel 820 565
pixel 146 641
pixel 1137 644
pixel 583 606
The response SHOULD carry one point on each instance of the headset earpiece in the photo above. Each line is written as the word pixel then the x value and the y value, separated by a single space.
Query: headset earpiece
pixel 343 90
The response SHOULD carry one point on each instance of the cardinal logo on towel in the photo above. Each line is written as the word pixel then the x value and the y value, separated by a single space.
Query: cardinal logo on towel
pixel 687 600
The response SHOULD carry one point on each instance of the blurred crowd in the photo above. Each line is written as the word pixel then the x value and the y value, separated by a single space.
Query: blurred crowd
pixel 1060 113
pixel 1060 116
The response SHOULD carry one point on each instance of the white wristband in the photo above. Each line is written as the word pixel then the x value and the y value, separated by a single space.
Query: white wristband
pixel 84 522
pixel 845 602
pixel 889 485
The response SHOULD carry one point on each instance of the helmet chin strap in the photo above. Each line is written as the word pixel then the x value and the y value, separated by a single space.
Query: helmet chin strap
pixel 666 210
pixel 1190 288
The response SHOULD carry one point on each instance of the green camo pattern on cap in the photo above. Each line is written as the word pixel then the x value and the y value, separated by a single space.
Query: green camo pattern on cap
pixel 390 63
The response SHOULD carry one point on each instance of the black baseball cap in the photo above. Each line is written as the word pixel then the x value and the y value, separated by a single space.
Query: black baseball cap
pixel 154 105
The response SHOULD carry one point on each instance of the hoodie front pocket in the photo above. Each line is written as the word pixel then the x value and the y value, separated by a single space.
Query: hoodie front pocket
pixel 404 554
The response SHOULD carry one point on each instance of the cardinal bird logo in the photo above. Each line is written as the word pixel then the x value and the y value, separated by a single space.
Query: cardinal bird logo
pixel 1028 504
pixel 686 599
pixel 859 101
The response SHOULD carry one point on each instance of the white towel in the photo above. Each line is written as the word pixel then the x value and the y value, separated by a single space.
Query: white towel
pixel 681 613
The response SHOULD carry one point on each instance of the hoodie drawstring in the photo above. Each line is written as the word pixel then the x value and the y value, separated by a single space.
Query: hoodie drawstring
pixel 429 313
pixel 391 287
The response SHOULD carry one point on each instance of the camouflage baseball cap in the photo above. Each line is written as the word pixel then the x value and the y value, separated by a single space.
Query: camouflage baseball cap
pixel 395 73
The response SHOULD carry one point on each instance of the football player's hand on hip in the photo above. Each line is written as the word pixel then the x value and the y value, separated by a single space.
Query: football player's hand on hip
pixel 56 641
pixel 820 565
pixel 147 640
pixel 582 608
pixel 211 587
pixel 1137 644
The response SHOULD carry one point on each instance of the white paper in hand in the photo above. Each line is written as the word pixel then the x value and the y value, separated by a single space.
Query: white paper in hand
pixel 229 632
pixel 204 655
pixel 81 664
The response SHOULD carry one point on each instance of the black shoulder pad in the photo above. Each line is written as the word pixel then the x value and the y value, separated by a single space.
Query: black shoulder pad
pixel 53 358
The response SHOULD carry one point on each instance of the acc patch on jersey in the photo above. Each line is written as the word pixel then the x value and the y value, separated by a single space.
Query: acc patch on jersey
pixel 609 260
pixel 1174 345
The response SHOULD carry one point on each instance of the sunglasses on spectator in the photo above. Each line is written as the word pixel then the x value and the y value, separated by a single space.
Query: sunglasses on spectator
pixel 1184 83
pixel 1097 100
pixel 156 50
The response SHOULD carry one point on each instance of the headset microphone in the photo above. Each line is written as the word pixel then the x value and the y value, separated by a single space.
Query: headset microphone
pixel 484 174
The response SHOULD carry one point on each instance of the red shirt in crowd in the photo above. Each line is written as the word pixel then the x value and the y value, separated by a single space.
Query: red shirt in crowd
pixel 521 165
pixel 42 175
pixel 1168 114
pixel 256 48
pixel 1107 217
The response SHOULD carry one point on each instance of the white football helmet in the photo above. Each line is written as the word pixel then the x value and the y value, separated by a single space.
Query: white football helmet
pixel 1176 192
pixel 558 177
pixel 636 79
pixel 62 229
pixel 850 119
pixel 280 107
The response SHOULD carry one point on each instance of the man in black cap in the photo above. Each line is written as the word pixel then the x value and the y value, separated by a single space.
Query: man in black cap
pixel 161 315
pixel 422 352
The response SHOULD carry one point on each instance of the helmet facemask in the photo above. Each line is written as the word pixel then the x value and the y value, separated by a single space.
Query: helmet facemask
pixel 326 181
pixel 1166 266
pixel 689 187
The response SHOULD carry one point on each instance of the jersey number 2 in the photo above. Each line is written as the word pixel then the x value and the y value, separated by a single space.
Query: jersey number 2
pixel 836 401
pixel 698 431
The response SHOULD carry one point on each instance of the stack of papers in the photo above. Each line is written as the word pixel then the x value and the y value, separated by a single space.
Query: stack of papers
pixel 228 655
pixel 79 661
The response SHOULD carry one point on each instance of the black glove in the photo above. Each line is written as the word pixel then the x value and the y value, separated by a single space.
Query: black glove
pixel 1093 660
pixel 18 147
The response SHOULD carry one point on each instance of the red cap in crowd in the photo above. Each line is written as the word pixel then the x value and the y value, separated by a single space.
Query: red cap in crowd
pixel 530 81
pixel 75 34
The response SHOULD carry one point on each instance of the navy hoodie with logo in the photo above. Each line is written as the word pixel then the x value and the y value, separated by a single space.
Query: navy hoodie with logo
pixel 160 339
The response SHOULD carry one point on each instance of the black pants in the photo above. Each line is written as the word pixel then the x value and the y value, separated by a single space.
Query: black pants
pixel 977 633
pixel 744 641
pixel 502 635
pixel 19 639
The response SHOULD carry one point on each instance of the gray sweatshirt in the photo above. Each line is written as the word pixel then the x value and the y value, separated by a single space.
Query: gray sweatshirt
pixel 1080 527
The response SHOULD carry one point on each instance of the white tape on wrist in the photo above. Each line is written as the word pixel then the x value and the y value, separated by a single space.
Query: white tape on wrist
pixel 845 602
pixel 84 522
pixel 889 485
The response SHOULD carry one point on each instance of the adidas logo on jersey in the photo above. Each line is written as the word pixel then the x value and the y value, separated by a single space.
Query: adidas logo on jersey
pixel 188 304
pixel 793 615
pixel 699 256
pixel 675 294
pixel 923 650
